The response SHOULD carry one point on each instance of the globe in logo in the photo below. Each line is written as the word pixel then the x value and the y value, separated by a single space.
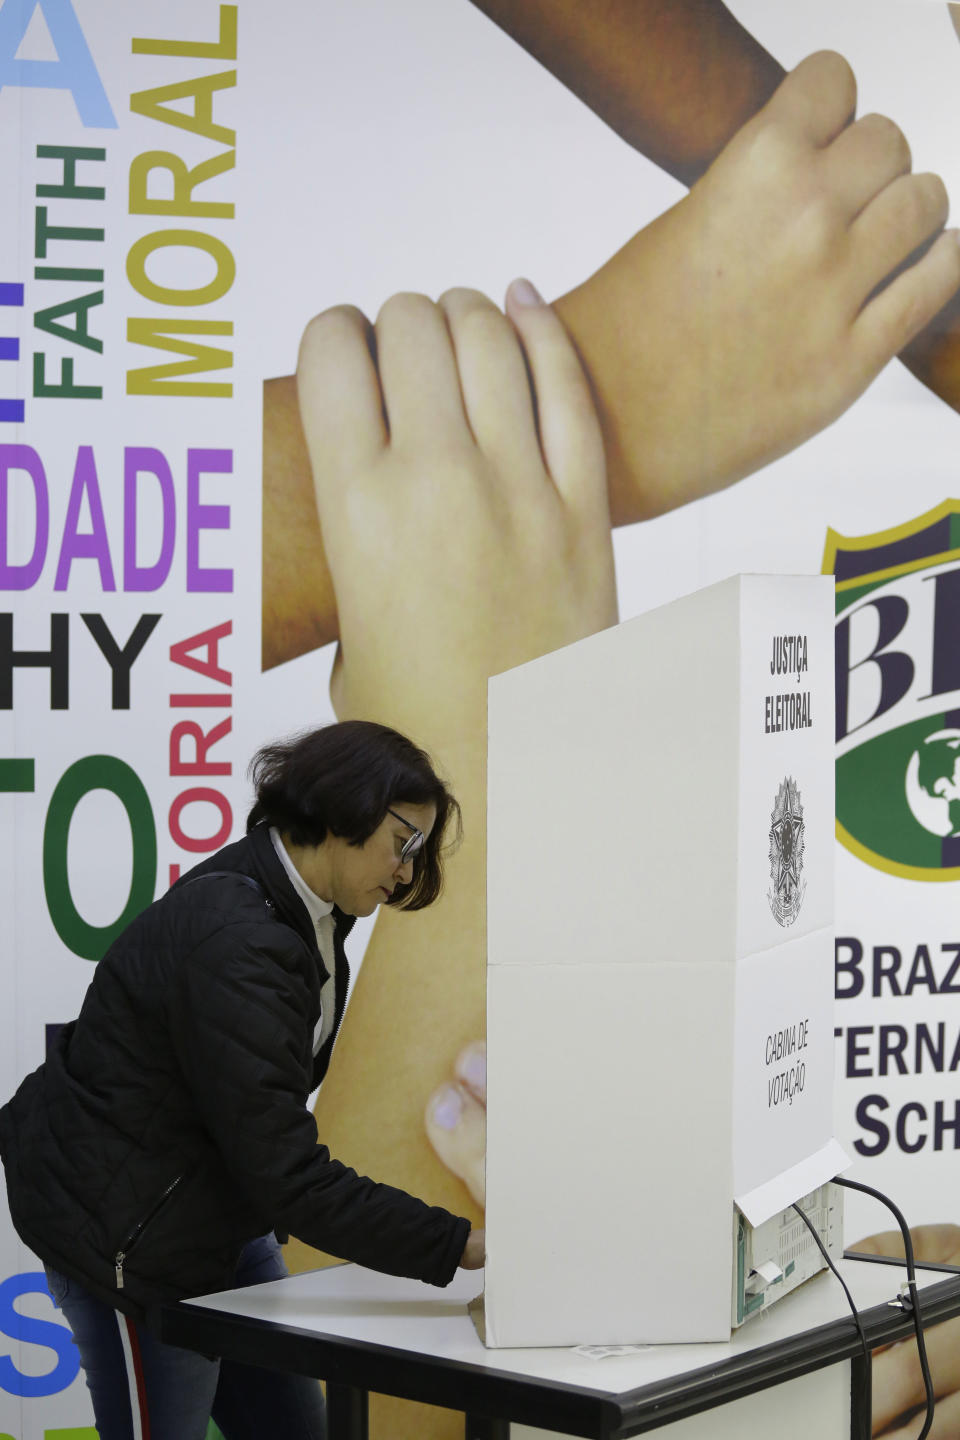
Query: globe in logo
pixel 933 783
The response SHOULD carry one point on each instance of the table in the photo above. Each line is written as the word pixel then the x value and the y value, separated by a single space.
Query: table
pixel 361 1331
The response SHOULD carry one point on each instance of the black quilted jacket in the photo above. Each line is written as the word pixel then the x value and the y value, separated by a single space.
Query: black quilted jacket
pixel 170 1126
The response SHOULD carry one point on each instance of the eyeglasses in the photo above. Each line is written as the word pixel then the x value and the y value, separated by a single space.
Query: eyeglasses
pixel 412 847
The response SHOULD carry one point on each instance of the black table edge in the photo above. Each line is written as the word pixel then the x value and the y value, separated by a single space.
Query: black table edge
pixel 654 1405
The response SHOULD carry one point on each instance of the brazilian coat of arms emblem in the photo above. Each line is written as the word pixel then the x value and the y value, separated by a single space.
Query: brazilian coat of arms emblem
pixel 787 886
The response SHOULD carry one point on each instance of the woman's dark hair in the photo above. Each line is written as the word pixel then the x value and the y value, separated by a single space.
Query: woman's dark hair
pixel 343 779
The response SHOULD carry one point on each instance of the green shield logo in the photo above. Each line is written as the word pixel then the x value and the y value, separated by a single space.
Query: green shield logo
pixel 898 694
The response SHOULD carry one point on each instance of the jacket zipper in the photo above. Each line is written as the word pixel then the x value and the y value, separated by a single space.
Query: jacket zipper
pixel 137 1231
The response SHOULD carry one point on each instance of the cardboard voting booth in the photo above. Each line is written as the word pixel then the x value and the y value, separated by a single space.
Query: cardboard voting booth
pixel 660 961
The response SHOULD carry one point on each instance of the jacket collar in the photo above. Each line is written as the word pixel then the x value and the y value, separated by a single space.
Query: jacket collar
pixel 269 871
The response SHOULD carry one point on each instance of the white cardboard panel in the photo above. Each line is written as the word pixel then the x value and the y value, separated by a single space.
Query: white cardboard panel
pixel 635 1052
pixel 612 793
pixel 785 620
pixel 801 1179
pixel 783 1058
pixel 608 1215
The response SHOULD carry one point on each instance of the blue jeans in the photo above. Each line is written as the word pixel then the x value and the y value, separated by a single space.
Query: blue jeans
pixel 141 1388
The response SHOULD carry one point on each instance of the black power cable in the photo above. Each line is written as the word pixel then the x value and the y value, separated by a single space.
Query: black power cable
pixel 914 1300
pixel 856 1313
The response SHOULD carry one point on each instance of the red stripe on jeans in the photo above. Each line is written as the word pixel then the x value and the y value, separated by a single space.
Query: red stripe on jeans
pixel 138 1375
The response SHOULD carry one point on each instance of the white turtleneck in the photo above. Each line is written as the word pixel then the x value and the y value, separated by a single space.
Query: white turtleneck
pixel 321 913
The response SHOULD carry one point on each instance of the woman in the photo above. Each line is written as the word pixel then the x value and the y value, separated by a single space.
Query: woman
pixel 168 1131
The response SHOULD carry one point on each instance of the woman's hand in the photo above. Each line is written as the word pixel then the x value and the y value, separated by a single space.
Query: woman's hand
pixel 897 1382
pixel 464 516
pixel 473 1252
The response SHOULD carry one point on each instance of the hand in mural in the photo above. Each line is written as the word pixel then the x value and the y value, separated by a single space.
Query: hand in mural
pixel 456 1119
pixel 433 339
pixel 677 82
pixel 735 326
pixel 897 1382
pixel 756 310
pixel 449 497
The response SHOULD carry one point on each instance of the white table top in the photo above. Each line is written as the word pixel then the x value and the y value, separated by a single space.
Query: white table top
pixel 351 1303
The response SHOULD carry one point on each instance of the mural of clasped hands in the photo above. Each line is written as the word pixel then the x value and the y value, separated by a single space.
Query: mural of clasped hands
pixel 739 323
